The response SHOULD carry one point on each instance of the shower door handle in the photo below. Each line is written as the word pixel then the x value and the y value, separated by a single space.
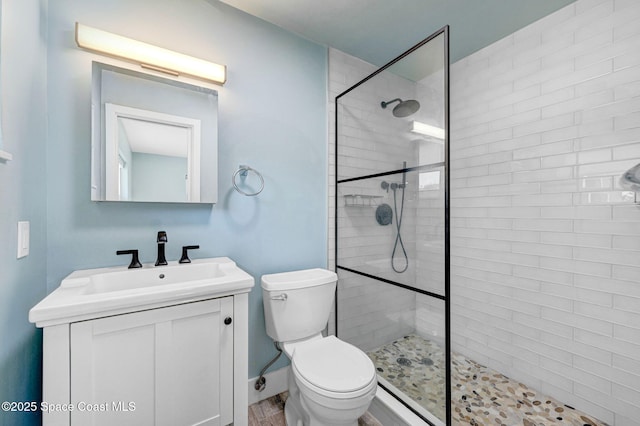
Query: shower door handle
pixel 282 297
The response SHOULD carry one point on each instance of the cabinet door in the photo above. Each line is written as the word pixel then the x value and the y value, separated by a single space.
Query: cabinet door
pixel 171 366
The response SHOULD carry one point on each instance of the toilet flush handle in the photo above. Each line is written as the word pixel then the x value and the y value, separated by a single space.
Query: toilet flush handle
pixel 282 297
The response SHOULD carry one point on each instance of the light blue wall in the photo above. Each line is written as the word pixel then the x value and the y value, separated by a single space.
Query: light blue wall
pixel 158 177
pixel 22 197
pixel 272 117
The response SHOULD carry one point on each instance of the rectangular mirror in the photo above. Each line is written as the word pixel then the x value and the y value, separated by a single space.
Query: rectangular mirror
pixel 153 139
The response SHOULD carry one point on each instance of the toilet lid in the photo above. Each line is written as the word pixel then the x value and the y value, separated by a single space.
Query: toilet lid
pixel 333 365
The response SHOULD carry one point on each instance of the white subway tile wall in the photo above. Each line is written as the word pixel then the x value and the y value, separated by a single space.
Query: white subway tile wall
pixel 372 140
pixel 545 243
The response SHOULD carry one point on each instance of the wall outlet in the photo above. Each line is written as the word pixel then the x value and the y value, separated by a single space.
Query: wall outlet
pixel 23 239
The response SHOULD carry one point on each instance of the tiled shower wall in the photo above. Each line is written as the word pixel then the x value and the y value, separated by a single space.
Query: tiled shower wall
pixel 370 313
pixel 545 243
pixel 372 140
pixel 344 71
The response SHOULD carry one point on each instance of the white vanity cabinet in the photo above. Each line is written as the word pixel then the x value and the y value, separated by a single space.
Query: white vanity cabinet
pixel 171 353
pixel 166 366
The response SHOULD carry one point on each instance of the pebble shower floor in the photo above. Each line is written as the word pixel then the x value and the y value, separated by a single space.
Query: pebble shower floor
pixel 480 395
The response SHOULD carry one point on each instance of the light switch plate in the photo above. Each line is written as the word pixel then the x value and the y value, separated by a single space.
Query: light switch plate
pixel 23 239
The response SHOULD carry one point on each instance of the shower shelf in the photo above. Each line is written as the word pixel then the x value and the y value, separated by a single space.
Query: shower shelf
pixel 361 200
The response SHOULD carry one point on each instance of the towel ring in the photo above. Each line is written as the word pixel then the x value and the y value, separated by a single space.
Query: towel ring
pixel 243 171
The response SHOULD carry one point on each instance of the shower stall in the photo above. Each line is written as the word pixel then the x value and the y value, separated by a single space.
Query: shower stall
pixel 392 225
pixel 544 294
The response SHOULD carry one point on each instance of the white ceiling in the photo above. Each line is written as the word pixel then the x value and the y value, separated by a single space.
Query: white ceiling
pixel 156 138
pixel 377 31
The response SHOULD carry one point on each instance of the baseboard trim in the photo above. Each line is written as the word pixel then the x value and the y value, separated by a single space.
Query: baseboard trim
pixel 277 382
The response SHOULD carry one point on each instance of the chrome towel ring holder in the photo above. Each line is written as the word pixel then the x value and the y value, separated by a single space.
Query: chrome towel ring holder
pixel 243 171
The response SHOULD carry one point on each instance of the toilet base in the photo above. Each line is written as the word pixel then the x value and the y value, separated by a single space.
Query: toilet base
pixel 295 415
pixel 298 412
pixel 292 413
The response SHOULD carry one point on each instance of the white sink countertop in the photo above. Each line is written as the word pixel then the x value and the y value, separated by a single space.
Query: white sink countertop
pixel 94 293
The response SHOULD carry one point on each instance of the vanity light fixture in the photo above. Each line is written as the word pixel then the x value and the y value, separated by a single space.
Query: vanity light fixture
pixel 148 55
pixel 427 130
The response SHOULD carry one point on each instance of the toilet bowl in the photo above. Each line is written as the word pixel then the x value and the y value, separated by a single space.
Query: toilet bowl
pixel 334 381
pixel 331 382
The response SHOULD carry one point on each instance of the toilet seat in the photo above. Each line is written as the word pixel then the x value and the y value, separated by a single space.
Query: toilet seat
pixel 333 368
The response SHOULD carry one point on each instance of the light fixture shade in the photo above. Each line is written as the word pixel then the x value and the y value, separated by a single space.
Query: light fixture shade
pixel 148 55
pixel 428 130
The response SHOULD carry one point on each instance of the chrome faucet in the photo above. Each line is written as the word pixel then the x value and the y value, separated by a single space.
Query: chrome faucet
pixel 161 240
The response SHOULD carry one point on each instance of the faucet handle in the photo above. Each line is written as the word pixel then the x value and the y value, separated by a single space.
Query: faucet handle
pixel 185 255
pixel 135 263
pixel 162 237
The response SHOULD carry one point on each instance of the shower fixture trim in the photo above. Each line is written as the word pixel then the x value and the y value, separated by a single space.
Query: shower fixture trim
pixel 404 108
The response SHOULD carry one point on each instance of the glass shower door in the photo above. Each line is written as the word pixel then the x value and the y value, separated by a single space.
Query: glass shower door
pixel 391 212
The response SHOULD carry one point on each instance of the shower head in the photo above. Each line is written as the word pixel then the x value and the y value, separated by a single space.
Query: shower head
pixel 404 108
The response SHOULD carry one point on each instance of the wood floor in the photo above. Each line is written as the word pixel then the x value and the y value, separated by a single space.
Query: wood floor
pixel 270 412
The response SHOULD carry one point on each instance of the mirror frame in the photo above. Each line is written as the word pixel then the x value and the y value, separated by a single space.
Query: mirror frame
pixel 99 144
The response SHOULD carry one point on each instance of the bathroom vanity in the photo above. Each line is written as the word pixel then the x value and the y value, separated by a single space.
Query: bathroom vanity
pixel 150 346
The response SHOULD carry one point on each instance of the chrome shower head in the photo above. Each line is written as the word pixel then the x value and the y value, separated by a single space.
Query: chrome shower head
pixel 404 108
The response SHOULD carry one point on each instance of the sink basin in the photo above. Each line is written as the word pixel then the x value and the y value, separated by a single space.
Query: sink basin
pixel 150 277
pixel 94 293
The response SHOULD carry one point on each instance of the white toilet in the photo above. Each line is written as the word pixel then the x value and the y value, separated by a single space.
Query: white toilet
pixel 331 382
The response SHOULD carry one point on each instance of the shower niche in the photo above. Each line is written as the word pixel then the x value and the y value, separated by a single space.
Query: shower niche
pixel 391 225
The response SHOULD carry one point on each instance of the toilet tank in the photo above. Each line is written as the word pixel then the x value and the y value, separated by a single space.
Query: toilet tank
pixel 297 304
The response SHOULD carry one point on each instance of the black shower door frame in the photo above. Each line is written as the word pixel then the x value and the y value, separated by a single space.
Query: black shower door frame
pixel 420 168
